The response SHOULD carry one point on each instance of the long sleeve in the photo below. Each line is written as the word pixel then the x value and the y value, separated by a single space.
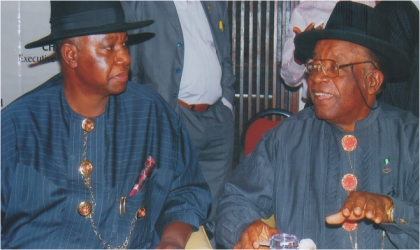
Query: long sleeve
pixel 404 232
pixel 188 185
pixel 242 201
pixel 291 72
pixel 228 79
pixel 306 12
pixel 8 165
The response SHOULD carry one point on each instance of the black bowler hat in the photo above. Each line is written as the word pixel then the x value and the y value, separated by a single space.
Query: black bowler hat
pixel 363 25
pixel 81 18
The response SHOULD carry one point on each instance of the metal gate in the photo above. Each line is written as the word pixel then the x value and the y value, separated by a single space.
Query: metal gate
pixel 258 33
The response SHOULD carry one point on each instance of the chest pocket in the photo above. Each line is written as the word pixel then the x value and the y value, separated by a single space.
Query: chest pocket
pixel 136 219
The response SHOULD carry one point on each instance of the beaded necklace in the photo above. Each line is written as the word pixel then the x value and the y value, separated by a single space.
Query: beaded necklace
pixel 349 183
pixel 87 209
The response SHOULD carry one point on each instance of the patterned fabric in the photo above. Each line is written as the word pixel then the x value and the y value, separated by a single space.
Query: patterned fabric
pixel 296 169
pixel 42 147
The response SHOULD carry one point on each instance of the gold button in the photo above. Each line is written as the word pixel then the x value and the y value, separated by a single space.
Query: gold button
pixel 84 208
pixel 141 212
pixel 209 7
pixel 88 124
pixel 86 168
pixel 403 221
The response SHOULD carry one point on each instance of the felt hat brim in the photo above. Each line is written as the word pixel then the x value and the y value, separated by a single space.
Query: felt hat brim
pixel 359 24
pixel 108 28
pixel 396 62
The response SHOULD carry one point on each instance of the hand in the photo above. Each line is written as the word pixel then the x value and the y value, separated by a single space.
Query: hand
pixel 297 31
pixel 360 205
pixel 168 245
pixel 311 26
pixel 175 236
pixel 256 232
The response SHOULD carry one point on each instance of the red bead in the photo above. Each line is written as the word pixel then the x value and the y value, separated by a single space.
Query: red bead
pixel 349 182
pixel 349 143
pixel 349 226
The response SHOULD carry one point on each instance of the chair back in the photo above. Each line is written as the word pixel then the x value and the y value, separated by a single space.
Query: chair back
pixel 257 126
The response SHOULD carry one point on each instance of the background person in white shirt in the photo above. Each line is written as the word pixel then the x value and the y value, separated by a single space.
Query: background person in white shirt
pixel 188 62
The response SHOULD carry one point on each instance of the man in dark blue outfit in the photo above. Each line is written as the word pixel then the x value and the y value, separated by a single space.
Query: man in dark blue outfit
pixel 344 173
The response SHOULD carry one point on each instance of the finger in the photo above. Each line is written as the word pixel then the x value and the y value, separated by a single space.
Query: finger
pixel 370 209
pixel 272 231
pixel 264 234
pixel 347 208
pixel 254 237
pixel 335 219
pixel 256 244
pixel 296 30
pixel 243 244
pixel 269 233
pixel 243 240
pixel 359 205
pixel 261 234
pixel 310 26
pixel 380 214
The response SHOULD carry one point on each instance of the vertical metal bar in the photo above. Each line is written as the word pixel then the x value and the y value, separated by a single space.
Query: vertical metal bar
pixel 279 52
pixel 234 36
pixel 258 78
pixel 275 60
pixel 283 37
pixel 296 93
pixel 241 67
pixel 267 53
pixel 250 50
pixel 257 82
pixel 293 96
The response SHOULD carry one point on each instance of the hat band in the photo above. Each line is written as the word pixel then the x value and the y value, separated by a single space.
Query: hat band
pixel 87 19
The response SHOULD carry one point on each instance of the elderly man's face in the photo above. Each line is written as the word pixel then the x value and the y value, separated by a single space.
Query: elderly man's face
pixel 337 99
pixel 103 64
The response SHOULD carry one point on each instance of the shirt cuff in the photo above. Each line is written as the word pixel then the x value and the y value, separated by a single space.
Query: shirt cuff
pixel 297 69
pixel 227 104
pixel 402 217
pixel 293 73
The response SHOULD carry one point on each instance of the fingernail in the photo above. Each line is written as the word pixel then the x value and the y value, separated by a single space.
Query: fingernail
pixel 346 211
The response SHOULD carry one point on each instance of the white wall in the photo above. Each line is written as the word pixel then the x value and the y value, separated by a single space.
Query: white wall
pixel 23 22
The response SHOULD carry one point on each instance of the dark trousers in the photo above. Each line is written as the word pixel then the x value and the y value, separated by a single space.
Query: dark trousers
pixel 212 135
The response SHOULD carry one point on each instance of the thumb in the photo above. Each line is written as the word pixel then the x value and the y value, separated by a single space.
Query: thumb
pixel 335 219
pixel 296 30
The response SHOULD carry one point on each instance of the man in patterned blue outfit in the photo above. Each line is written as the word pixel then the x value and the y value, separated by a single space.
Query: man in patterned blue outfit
pixel 344 173
pixel 90 160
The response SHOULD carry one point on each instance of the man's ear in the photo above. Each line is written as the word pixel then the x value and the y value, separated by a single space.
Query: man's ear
pixel 70 54
pixel 376 80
